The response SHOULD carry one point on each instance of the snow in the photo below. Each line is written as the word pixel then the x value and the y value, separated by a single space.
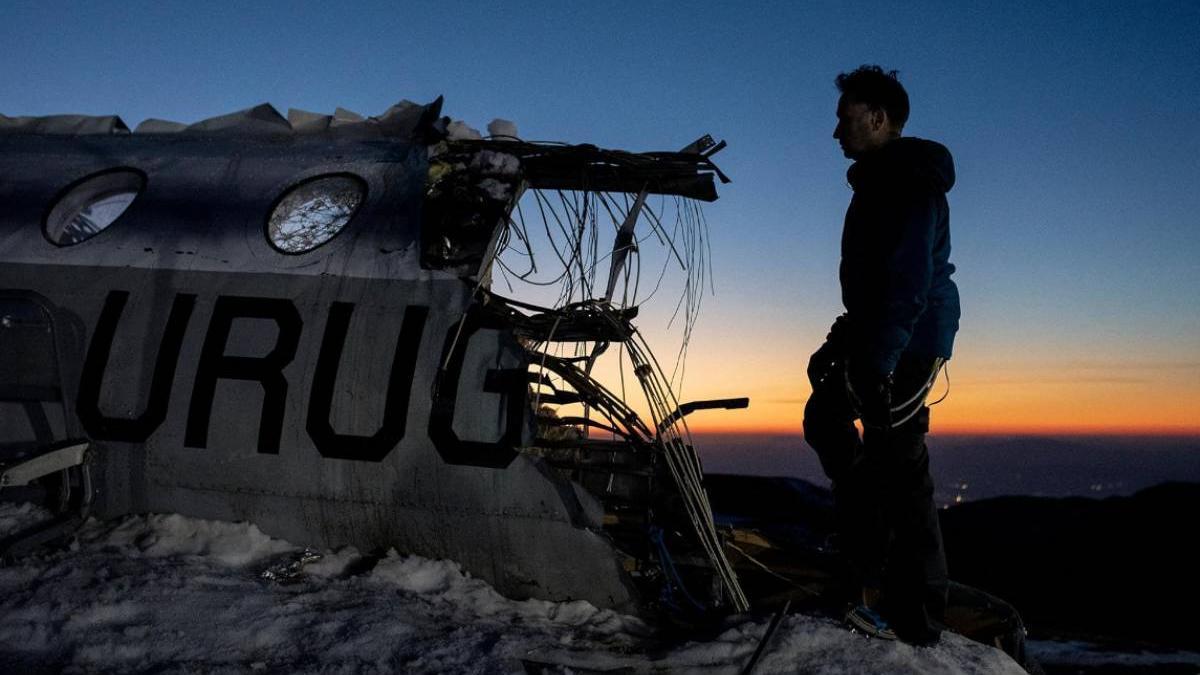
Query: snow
pixel 14 517
pixel 495 189
pixel 177 594
pixel 496 163
pixel 457 130
pixel 230 544
pixel 489 163
pixel 503 128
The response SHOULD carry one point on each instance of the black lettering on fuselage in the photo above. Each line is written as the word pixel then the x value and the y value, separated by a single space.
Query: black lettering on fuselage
pixel 87 404
pixel 267 370
pixel 514 383
pixel 375 447
pixel 214 365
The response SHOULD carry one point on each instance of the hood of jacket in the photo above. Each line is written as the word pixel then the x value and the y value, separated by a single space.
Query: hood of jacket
pixel 906 161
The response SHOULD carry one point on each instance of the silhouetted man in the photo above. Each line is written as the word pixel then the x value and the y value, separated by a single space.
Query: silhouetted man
pixel 881 358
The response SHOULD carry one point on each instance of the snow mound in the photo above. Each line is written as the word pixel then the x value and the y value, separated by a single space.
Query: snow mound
pixel 175 594
pixel 16 517
pixel 444 582
pixel 156 536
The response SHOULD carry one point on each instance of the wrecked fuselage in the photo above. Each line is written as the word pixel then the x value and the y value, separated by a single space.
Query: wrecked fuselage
pixel 291 322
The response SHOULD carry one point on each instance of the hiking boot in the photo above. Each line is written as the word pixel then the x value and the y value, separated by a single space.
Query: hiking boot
pixel 866 620
pixel 921 636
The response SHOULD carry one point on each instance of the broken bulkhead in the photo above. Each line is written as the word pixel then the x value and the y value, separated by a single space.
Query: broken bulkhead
pixel 294 322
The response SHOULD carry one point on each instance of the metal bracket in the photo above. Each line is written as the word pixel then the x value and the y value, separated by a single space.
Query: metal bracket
pixel 43 464
pixel 689 408
pixel 71 454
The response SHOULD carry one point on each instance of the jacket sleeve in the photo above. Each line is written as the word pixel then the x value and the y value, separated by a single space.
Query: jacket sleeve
pixel 908 256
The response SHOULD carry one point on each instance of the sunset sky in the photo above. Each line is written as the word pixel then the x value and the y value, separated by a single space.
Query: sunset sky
pixel 1074 127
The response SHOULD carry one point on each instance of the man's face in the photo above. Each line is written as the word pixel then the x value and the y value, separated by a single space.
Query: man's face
pixel 860 129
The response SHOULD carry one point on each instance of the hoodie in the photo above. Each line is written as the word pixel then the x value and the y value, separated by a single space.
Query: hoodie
pixel 895 269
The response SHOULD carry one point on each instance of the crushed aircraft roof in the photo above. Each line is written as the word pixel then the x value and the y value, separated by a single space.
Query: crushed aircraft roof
pixel 554 166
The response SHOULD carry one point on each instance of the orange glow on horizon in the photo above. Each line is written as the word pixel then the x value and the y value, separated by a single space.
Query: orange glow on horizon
pixel 946 430
pixel 1125 400
pixel 980 418
pixel 992 391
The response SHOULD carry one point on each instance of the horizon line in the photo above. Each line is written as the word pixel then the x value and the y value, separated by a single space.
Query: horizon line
pixel 1169 432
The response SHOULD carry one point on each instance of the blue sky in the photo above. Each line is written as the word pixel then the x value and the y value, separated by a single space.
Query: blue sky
pixel 1076 218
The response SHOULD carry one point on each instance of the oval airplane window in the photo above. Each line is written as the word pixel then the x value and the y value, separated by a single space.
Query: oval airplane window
pixel 314 212
pixel 89 206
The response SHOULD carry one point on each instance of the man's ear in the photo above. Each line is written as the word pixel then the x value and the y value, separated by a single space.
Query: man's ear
pixel 879 119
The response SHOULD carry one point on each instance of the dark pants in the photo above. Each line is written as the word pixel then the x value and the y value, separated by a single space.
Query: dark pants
pixel 887 520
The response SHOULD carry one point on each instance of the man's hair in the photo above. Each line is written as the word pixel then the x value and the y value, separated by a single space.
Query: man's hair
pixel 878 89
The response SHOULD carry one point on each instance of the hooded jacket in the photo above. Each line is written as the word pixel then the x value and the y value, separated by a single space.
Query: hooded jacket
pixel 895 269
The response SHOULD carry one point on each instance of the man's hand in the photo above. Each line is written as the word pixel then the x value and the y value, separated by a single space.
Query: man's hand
pixel 871 394
pixel 824 365
pixel 826 362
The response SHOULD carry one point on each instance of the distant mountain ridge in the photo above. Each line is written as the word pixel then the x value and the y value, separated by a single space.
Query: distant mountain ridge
pixel 989 466
pixel 1097 569
pixel 1104 570
pixel 1058 467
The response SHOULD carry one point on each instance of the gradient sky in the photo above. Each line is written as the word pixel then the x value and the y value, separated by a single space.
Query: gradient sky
pixel 1074 126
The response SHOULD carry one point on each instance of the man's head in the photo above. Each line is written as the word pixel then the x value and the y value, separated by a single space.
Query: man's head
pixel 871 111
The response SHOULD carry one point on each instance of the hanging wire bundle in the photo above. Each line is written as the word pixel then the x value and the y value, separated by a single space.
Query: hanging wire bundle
pixel 572 224
pixel 684 466
pixel 575 225
pixel 668 432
